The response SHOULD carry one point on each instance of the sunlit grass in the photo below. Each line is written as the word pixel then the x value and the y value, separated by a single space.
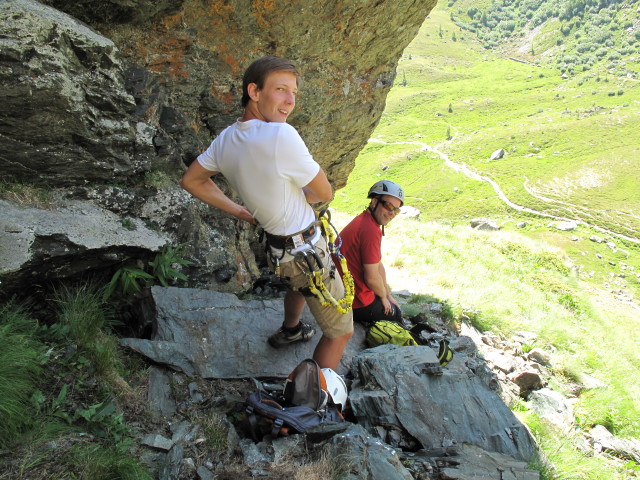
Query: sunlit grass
pixel 505 281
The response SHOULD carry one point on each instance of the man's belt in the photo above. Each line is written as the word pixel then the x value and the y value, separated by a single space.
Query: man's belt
pixel 291 241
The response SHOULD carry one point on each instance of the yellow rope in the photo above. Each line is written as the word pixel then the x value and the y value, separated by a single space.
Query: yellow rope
pixel 317 286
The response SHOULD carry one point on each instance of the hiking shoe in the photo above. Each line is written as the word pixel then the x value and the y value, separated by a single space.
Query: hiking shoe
pixel 282 338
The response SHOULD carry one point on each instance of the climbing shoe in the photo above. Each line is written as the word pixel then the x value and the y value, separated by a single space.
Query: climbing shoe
pixel 282 337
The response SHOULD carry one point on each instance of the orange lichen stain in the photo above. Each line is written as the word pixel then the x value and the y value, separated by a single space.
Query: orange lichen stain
pixel 169 57
pixel 220 9
pixel 172 20
pixel 262 9
pixel 225 55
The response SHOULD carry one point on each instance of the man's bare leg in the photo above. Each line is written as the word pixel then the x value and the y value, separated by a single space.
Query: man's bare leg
pixel 329 351
pixel 293 305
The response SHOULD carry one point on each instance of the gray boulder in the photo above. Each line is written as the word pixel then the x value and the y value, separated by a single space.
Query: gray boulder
pixel 484 224
pixel 498 154
pixel 366 456
pixel 394 389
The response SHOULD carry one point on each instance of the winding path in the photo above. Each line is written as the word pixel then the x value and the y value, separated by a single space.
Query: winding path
pixel 461 168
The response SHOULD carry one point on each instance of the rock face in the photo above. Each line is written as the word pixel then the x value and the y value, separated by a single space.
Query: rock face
pixel 41 245
pixel 122 102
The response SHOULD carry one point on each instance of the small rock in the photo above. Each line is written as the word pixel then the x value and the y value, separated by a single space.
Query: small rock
pixel 484 224
pixel 528 381
pixel 566 226
pixel 498 154
pixel 204 473
pixel 157 441
pixel 539 356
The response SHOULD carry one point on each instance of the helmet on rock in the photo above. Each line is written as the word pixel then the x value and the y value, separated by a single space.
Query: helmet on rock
pixel 386 187
pixel 336 387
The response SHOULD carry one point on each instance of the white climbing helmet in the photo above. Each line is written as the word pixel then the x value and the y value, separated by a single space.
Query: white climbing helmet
pixel 386 187
pixel 336 387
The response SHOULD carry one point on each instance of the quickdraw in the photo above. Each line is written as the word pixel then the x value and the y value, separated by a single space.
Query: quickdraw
pixel 314 275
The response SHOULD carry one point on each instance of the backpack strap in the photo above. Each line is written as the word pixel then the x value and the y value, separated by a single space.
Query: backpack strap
pixel 277 427
pixel 252 423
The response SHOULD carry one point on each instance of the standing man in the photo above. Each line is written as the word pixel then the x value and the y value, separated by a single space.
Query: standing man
pixel 268 164
pixel 361 246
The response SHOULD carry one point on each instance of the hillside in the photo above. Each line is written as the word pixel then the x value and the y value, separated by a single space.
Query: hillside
pixel 571 152
pixel 571 147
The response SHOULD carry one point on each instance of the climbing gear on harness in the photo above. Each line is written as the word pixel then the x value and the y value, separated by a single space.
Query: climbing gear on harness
pixel 386 187
pixel 305 256
pixel 314 276
pixel 281 337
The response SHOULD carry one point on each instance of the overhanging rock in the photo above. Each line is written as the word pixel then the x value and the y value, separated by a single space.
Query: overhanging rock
pixel 217 335
pixel 46 245
pixel 394 389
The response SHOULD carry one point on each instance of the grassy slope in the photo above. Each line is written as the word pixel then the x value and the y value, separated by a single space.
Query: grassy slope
pixel 572 150
pixel 571 146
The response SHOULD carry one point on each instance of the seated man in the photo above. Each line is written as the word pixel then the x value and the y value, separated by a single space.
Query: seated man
pixel 361 246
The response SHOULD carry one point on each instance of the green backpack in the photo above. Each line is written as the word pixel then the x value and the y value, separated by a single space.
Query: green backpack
pixel 385 331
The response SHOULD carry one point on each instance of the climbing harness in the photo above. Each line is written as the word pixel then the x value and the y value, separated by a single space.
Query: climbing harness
pixel 310 263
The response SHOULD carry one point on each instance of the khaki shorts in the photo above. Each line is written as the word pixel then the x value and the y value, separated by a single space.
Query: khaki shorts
pixel 333 323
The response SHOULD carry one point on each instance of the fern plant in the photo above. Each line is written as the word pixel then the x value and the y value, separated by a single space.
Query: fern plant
pixel 164 269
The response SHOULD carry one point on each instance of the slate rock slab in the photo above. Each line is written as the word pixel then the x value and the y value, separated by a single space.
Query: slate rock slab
pixel 216 335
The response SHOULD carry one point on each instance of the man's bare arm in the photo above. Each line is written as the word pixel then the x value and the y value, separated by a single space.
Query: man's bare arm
pixel 319 189
pixel 197 181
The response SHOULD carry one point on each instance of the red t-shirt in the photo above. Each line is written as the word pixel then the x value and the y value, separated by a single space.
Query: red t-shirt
pixel 361 244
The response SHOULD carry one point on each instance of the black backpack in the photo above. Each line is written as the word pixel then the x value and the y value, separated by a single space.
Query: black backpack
pixel 303 403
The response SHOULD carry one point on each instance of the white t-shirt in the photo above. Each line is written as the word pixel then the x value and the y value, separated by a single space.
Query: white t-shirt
pixel 267 163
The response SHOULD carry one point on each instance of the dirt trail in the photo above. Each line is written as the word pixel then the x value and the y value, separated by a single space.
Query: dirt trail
pixel 461 168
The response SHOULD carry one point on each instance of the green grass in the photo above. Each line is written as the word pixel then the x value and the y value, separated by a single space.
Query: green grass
pixel 20 369
pixel 505 282
pixel 85 313
pixel 485 102
pixel 58 417
pixel 572 150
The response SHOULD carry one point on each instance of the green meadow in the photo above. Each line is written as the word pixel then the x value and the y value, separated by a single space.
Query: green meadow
pixel 572 151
